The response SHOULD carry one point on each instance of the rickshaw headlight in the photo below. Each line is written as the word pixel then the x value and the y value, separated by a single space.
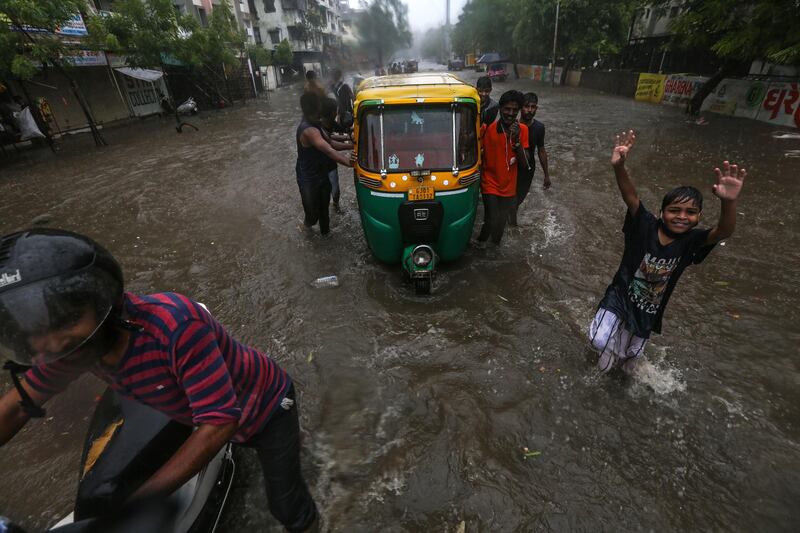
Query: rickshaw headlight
pixel 422 256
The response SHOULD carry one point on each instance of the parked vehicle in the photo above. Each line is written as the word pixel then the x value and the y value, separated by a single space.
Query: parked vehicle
pixel 455 65
pixel 497 72
pixel 417 174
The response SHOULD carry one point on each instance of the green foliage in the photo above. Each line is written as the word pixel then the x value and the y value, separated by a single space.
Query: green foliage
pixel 259 56
pixel 145 31
pixel 523 30
pixel 740 30
pixel 383 28
pixel 433 44
pixel 148 31
pixel 23 67
pixel 283 53
pixel 21 51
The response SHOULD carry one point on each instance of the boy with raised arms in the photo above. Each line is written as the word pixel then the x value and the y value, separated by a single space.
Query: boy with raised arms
pixel 657 250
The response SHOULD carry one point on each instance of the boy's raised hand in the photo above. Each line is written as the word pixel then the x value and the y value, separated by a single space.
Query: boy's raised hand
pixel 729 181
pixel 622 145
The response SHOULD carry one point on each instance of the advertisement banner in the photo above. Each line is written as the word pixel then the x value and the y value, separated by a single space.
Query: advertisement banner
pixel 679 89
pixel 781 105
pixel 145 96
pixel 741 98
pixel 73 27
pixel 537 72
pixel 650 87
pixel 559 73
pixel 85 58
pixel 525 71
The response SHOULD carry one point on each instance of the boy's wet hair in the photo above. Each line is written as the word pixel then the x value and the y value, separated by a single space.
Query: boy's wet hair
pixel 682 194
pixel 484 82
pixel 511 96
pixel 310 105
pixel 311 75
pixel 329 108
pixel 531 98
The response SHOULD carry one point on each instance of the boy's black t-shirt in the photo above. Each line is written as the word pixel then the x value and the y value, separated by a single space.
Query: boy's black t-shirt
pixel 489 112
pixel 649 271
pixel 536 141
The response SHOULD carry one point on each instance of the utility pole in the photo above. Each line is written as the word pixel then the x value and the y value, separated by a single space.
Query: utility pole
pixel 555 39
pixel 447 31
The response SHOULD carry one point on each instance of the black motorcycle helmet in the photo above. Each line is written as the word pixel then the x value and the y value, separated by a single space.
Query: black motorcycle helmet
pixel 49 281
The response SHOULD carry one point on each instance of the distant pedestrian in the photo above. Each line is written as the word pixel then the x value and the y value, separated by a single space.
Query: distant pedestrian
pixel 314 158
pixel 488 106
pixel 505 148
pixel 657 250
pixel 313 85
pixel 536 138
pixel 344 99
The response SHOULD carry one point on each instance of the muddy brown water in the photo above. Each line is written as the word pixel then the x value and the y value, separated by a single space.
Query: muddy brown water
pixel 418 409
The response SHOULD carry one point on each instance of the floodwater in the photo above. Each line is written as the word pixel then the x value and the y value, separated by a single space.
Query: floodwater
pixel 417 409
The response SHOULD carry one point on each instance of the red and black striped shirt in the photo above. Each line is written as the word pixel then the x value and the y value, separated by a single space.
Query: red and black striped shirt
pixel 184 364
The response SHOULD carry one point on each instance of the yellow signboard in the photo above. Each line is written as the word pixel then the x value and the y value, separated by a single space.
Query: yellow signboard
pixel 650 87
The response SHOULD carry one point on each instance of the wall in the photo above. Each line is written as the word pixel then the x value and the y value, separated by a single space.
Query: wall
pixel 775 102
pixel 573 78
pixel 619 82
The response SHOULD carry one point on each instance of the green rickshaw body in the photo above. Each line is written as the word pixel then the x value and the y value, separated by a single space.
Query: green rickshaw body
pixel 381 223
pixel 417 176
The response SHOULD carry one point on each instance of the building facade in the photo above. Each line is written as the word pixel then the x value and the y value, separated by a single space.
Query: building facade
pixel 312 27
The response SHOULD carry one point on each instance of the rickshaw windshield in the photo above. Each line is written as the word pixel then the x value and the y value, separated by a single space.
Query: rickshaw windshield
pixel 433 137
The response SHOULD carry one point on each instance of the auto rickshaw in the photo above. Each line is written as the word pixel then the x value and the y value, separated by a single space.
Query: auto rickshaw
pixel 417 174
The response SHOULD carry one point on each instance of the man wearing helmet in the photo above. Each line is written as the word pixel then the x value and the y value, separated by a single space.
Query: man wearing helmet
pixel 64 312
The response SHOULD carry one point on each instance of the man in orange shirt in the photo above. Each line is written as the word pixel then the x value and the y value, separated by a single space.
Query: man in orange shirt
pixel 505 148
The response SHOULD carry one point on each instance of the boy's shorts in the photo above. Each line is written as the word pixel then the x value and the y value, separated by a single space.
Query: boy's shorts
pixel 615 344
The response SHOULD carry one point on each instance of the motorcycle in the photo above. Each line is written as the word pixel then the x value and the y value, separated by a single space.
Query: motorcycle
pixel 127 442
pixel 189 107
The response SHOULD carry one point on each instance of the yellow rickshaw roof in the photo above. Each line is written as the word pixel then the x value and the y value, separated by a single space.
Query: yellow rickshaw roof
pixel 420 85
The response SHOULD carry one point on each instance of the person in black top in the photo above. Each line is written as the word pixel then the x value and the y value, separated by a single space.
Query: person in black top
pixel 315 155
pixel 535 139
pixel 344 99
pixel 333 132
pixel 489 107
pixel 657 250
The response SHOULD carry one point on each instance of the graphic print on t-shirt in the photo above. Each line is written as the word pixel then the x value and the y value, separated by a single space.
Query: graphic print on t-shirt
pixel 650 281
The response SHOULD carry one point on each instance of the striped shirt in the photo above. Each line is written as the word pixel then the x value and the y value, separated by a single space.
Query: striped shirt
pixel 184 364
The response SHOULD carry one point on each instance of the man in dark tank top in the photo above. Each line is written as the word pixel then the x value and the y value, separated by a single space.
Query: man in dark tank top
pixel 315 155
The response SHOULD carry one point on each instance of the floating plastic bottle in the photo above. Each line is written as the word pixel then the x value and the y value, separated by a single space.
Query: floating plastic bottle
pixel 325 281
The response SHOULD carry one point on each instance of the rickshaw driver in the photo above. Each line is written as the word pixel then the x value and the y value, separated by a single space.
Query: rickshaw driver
pixel 64 312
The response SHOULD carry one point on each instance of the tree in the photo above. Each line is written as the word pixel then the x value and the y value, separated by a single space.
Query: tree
pixel 588 29
pixel 383 28
pixel 740 30
pixel 151 33
pixel 259 56
pixel 283 53
pixel 145 31
pixel 737 31
pixel 433 44
pixel 28 38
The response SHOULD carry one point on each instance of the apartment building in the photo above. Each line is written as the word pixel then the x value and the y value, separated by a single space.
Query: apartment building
pixel 312 27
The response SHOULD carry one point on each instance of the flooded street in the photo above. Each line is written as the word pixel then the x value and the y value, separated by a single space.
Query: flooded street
pixel 417 409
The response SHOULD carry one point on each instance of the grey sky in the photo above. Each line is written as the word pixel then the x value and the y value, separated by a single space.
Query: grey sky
pixel 423 14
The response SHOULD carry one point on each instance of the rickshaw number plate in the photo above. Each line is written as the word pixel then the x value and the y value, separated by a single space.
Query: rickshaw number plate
pixel 420 193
